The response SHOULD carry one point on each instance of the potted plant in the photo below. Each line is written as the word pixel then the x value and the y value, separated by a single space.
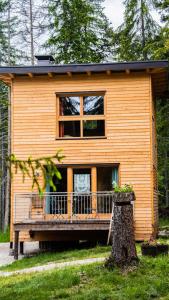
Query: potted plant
pixel 153 248
pixel 123 193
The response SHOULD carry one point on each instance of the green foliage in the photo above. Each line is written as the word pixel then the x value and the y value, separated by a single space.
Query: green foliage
pixel 5 236
pixel 79 31
pixel 135 37
pixel 123 189
pixel 161 44
pixel 3 40
pixel 164 223
pixel 45 167
pixel 8 52
pixel 162 108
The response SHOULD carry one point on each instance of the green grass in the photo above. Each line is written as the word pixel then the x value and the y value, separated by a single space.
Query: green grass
pixel 149 281
pixel 5 236
pixel 164 223
pixel 69 255
pixel 44 258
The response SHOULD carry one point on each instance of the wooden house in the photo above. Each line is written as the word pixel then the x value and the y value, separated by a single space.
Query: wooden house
pixel 103 117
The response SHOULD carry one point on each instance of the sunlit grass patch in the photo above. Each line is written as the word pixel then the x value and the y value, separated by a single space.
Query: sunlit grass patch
pixel 92 282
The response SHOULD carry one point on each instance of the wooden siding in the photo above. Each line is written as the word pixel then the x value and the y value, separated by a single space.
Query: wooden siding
pixel 128 128
pixel 154 163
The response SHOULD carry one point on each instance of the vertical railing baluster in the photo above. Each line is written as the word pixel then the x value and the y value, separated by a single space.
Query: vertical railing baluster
pixel 71 205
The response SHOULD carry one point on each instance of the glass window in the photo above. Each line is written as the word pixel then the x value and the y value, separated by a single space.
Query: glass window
pixel 69 129
pixel 106 177
pixel 93 105
pixel 69 106
pixel 56 203
pixel 76 114
pixel 93 128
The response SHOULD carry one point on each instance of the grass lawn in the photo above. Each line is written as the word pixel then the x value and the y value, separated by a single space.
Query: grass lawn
pixel 164 223
pixel 4 236
pixel 44 258
pixel 149 281
pixel 69 255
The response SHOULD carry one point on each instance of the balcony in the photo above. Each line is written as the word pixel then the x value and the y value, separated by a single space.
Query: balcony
pixel 62 207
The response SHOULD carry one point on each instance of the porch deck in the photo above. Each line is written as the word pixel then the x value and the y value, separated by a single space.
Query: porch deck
pixel 77 215
pixel 62 216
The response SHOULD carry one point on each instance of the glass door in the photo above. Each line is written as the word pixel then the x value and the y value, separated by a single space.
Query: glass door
pixel 82 202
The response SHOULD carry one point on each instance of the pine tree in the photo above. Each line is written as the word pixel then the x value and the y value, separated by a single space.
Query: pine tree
pixel 161 45
pixel 135 36
pixel 6 57
pixel 163 148
pixel 161 51
pixel 80 32
pixel 3 41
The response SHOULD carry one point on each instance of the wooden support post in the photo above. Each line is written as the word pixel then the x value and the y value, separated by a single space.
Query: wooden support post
pixel 69 74
pixel 108 72
pixel 127 71
pixel 94 190
pixel 69 190
pixel 21 248
pixel 89 73
pixel 16 244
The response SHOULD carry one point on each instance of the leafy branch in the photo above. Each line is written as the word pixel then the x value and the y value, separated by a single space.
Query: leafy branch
pixel 45 167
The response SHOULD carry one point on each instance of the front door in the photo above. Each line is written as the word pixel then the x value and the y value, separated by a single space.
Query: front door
pixel 82 198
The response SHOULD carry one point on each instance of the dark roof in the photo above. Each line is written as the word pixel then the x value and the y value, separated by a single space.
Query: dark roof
pixel 82 68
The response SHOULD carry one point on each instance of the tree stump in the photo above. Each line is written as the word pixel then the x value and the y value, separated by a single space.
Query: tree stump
pixel 123 241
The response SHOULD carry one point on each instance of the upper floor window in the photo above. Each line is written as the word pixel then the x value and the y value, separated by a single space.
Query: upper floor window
pixel 81 116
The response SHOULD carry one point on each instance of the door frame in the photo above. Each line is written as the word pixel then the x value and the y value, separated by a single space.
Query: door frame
pixel 93 186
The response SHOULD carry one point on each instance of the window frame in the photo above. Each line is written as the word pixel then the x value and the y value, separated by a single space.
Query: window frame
pixel 81 117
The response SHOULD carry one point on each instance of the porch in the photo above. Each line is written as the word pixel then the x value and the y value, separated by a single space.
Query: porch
pixel 62 207
pixel 62 216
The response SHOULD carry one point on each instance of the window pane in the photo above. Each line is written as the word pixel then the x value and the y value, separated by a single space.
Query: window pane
pixel 69 106
pixel 69 129
pixel 93 105
pixel 105 182
pixel 94 128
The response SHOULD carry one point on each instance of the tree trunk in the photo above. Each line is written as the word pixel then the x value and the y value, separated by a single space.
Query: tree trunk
pixel 31 31
pixel 123 241
pixel 143 31
pixel 9 32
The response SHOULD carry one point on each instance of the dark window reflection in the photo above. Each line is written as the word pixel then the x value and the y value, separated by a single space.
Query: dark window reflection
pixel 93 105
pixel 94 128
pixel 69 106
pixel 69 129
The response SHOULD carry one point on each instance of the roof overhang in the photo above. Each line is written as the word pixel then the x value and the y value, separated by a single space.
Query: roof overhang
pixel 158 69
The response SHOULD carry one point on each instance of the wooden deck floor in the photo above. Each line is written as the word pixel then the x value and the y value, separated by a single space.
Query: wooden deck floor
pixel 62 225
pixel 86 227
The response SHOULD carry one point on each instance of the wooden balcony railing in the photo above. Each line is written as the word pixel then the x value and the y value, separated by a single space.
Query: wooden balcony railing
pixel 62 206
